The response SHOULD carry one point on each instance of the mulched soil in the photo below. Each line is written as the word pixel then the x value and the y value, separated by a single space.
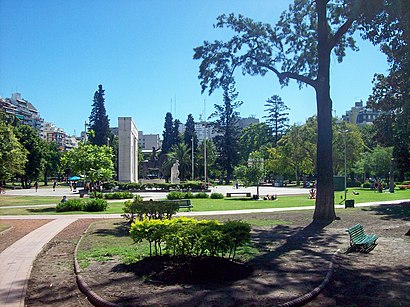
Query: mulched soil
pixel 52 281
pixel 294 261
pixel 17 230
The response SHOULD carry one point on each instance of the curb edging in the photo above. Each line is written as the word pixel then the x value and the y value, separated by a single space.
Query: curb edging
pixel 306 298
pixel 96 300
pixel 91 296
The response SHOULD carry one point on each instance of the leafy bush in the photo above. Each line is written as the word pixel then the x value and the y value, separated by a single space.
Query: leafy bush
pixel 201 195
pixel 354 184
pixel 366 185
pixel 191 185
pixel 131 208
pixel 134 186
pixel 217 196
pixel 119 195
pixel 70 205
pixel 109 185
pixel 175 195
pixel 96 195
pixel 95 205
pixel 91 205
pixel 139 209
pixel 187 236
pixel 123 186
pixel 185 195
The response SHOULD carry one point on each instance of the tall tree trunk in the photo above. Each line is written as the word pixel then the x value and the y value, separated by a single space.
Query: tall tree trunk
pixel 45 177
pixel 324 209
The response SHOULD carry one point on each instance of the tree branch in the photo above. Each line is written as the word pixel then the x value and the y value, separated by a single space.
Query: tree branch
pixel 291 75
pixel 339 33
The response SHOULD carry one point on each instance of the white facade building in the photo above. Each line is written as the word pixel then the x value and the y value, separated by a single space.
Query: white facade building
pixel 127 150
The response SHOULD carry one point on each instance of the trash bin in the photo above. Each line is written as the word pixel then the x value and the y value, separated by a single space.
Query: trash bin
pixel 349 203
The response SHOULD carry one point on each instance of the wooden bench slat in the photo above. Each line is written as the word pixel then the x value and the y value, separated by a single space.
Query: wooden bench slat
pixel 359 238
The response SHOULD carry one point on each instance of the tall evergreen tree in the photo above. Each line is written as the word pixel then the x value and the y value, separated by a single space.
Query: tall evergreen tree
pixel 190 133
pixel 277 117
pixel 227 142
pixel 175 133
pixel 167 134
pixel 99 121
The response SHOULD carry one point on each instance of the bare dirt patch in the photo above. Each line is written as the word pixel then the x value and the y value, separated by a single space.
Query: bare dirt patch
pixel 293 261
pixel 52 281
pixel 18 229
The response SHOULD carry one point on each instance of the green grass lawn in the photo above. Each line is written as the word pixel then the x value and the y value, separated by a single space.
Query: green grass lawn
pixel 202 204
pixel 109 239
pixel 4 227
pixel 12 200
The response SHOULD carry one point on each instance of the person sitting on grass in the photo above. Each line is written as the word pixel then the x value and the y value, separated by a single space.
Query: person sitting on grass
pixel 64 199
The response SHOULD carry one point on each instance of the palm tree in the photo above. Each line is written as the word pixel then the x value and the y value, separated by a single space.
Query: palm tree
pixel 182 153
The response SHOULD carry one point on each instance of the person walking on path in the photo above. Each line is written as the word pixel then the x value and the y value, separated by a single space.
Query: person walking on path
pixel 54 185
pixel 36 185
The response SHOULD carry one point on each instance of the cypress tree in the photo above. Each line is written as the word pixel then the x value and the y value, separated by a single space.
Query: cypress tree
pixel 99 121
pixel 190 133
pixel 167 134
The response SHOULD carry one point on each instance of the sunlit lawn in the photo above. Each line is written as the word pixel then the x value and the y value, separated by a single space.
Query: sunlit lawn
pixel 204 204
pixel 3 227
pixel 12 200
pixel 109 239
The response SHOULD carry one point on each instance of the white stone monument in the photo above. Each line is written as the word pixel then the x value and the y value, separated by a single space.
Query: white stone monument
pixel 175 172
pixel 127 150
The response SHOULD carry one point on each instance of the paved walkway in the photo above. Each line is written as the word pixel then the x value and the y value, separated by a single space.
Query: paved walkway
pixel 16 261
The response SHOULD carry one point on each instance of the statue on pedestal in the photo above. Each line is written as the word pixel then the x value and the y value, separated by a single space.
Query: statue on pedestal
pixel 175 172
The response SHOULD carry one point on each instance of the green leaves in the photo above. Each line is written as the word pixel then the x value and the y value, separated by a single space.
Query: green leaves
pixel 13 155
pixel 187 236
pixel 94 161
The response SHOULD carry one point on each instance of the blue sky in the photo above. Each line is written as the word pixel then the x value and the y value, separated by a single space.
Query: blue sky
pixel 56 52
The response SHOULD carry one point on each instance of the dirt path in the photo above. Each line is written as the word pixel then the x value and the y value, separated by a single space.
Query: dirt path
pixel 295 261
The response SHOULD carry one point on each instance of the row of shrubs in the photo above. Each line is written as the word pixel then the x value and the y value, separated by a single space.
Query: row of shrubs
pixel 114 195
pixel 189 185
pixel 188 195
pixel 91 205
pixel 187 236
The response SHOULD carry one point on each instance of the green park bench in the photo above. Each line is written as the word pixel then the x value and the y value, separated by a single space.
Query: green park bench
pixel 359 240
pixel 182 203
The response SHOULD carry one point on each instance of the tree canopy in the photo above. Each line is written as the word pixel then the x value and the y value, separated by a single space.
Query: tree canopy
pixel 13 155
pixel 92 161
pixel 225 124
pixel 298 47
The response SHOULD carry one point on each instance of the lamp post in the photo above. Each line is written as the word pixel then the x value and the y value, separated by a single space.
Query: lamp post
pixel 85 131
pixel 345 158
pixel 391 176
pixel 192 157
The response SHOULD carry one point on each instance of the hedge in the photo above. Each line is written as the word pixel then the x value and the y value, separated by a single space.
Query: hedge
pixel 187 236
pixel 140 209
pixel 91 205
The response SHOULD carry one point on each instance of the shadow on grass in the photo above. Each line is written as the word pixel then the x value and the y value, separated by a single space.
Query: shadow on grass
pixel 121 230
pixel 392 211
pixel 239 198
pixel 42 210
